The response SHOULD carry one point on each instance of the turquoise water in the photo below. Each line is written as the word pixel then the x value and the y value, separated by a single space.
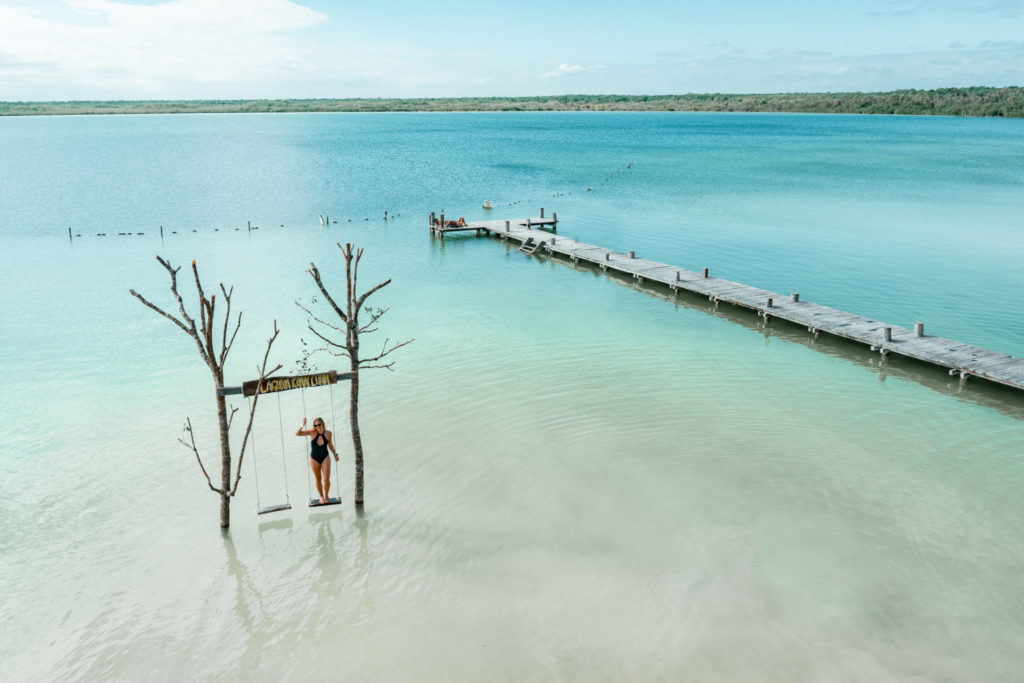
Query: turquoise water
pixel 567 477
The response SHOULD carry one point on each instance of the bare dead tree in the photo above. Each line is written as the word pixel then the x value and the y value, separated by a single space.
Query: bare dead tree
pixel 214 353
pixel 350 329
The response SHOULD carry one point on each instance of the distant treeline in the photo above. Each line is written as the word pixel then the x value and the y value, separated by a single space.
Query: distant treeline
pixel 977 101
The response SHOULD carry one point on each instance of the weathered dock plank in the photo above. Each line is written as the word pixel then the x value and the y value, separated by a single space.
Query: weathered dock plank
pixel 959 358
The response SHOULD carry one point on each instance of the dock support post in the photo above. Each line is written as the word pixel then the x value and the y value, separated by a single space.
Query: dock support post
pixel 607 256
pixel 248 226
pixel 918 329
pixel 677 276
pixel 887 334
pixel 528 226
pixel 795 296
pixel 769 304
pixel 704 272
pixel 632 254
pixel 542 212
pixel 506 226
pixel 554 217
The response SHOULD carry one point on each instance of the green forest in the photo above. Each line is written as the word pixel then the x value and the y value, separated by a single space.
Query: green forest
pixel 976 101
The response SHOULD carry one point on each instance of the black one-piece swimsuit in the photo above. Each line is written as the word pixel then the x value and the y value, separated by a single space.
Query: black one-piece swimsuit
pixel 318 451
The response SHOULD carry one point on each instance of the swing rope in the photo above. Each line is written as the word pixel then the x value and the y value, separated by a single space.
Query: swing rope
pixel 284 463
pixel 255 472
pixel 334 431
pixel 255 468
pixel 309 491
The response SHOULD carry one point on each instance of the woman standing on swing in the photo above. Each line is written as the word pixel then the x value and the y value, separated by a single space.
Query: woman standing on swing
pixel 318 459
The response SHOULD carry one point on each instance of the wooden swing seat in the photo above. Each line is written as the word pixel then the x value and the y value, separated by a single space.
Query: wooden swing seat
pixel 273 508
pixel 315 502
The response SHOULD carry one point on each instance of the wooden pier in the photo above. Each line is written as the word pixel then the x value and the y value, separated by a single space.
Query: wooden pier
pixel 440 226
pixel 962 360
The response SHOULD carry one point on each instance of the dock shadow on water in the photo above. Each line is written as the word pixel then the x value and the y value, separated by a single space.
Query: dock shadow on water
pixel 1007 400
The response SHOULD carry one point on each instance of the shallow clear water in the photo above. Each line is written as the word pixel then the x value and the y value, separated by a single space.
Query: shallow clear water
pixel 567 477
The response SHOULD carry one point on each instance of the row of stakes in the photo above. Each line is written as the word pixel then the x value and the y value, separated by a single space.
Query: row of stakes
pixel 324 220
pixel 249 228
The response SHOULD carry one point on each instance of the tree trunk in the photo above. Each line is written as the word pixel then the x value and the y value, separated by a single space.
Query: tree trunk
pixel 357 440
pixel 225 459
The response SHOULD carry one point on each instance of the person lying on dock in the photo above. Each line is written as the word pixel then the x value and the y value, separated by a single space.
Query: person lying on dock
pixel 455 224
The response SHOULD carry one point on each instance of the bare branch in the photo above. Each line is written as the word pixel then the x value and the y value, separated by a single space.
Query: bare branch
pixel 325 339
pixel 374 317
pixel 185 317
pixel 231 417
pixel 160 311
pixel 186 323
pixel 226 348
pixel 385 366
pixel 336 354
pixel 385 351
pixel 199 285
pixel 195 450
pixel 225 343
pixel 323 290
pixel 319 320
pixel 365 296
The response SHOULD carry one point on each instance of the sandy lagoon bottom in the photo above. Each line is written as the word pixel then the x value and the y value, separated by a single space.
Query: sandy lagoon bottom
pixel 705 503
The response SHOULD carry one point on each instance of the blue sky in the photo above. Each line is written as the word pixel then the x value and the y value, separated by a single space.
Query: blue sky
pixel 213 49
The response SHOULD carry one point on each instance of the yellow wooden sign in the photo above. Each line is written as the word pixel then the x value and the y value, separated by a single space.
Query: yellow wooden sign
pixel 271 385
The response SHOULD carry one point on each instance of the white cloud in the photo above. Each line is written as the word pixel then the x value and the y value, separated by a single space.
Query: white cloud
pixel 564 70
pixel 568 69
pixel 115 45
